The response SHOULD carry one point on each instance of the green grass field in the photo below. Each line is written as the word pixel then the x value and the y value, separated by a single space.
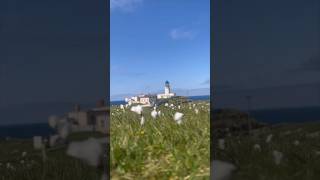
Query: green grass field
pixel 298 143
pixel 58 166
pixel 161 148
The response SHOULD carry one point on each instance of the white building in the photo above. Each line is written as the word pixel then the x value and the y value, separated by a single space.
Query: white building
pixel 132 100
pixel 149 100
pixel 167 92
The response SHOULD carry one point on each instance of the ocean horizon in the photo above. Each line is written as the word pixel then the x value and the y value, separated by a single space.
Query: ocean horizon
pixel 193 98
pixel 26 130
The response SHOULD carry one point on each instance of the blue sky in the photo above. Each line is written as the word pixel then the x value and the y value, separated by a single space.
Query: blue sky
pixel 153 41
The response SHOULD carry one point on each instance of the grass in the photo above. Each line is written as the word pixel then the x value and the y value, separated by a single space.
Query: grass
pixel 161 148
pixel 299 161
pixel 58 166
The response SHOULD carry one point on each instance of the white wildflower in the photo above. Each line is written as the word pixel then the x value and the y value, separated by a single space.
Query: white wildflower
pixel 313 135
pixel 37 142
pixel 196 111
pixel 269 137
pixel 221 170
pixel 257 147
pixel 142 120
pixel 137 109
pixel 9 166
pixel 89 151
pixel 277 156
pixel 178 117
pixel 104 177
pixel 287 133
pixel 154 114
pixel 296 142
pixel 24 154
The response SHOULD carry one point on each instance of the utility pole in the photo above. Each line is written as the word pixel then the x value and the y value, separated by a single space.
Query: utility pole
pixel 248 112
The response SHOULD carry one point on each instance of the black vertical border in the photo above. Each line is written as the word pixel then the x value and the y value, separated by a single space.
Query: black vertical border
pixel 107 87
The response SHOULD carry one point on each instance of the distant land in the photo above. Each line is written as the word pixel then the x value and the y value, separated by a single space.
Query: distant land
pixel 178 91
pixel 286 115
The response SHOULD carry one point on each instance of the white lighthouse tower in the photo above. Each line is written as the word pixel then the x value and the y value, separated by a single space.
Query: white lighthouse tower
pixel 167 92
pixel 167 88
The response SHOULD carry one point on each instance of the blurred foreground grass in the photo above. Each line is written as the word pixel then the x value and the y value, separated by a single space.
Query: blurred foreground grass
pixel 58 166
pixel 161 148
pixel 253 155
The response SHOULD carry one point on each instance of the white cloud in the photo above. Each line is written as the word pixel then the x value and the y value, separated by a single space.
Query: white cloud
pixel 180 33
pixel 124 5
pixel 206 82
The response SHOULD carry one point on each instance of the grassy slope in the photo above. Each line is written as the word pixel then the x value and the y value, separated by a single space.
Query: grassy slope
pixel 58 165
pixel 160 149
pixel 299 161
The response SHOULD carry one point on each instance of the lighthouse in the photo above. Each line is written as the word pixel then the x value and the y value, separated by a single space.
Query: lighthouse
pixel 167 92
pixel 167 88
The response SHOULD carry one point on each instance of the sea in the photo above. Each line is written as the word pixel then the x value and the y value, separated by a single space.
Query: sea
pixel 287 115
pixel 26 130
pixel 271 116
pixel 193 98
